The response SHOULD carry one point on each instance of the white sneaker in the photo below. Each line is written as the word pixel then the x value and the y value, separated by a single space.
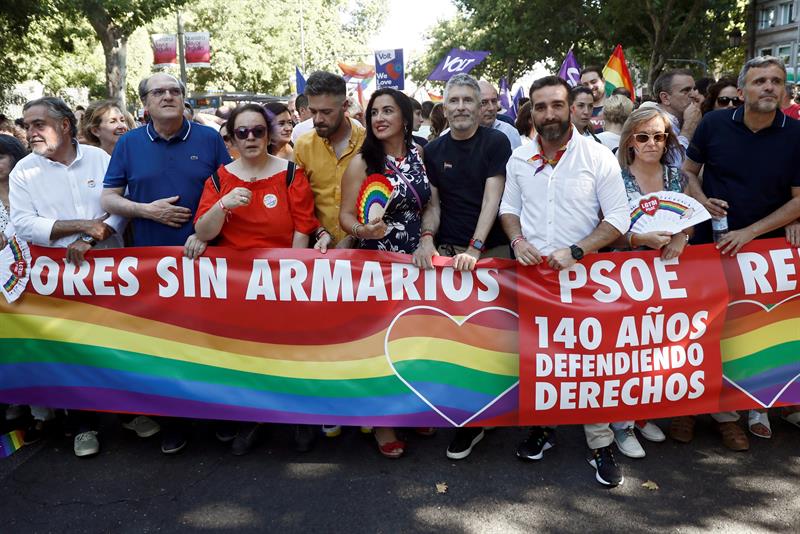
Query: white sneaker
pixel 143 426
pixel 650 431
pixel 627 443
pixel 331 431
pixel 86 444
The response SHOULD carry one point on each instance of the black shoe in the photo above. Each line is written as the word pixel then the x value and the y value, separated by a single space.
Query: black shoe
pixel 36 431
pixel 226 431
pixel 608 472
pixel 539 440
pixel 304 437
pixel 245 438
pixel 462 444
pixel 173 441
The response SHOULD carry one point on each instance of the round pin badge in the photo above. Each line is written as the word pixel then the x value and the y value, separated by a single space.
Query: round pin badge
pixel 270 201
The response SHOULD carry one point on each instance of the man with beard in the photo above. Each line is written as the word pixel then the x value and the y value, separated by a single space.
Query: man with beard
pixel 325 153
pixel 467 165
pixel 54 194
pixel 552 215
pixel 592 79
pixel 750 162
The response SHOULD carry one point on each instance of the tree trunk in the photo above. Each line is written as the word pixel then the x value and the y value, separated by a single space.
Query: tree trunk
pixel 115 50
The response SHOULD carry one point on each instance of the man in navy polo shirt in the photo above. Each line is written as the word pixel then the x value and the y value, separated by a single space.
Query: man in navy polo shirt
pixel 750 157
pixel 164 167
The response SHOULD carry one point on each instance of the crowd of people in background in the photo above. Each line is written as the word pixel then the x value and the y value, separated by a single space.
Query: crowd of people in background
pixel 551 186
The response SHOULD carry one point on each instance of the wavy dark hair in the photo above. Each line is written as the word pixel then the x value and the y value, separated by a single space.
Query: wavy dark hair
pixel 713 92
pixel 256 108
pixel 372 150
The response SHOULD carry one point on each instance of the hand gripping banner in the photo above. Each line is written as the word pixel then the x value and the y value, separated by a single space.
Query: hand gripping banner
pixel 364 338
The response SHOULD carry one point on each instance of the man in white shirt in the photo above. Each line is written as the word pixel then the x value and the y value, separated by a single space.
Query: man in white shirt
pixel 54 194
pixel 555 188
pixel 490 105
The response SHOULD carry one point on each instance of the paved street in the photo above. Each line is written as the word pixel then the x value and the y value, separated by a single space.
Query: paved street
pixel 345 485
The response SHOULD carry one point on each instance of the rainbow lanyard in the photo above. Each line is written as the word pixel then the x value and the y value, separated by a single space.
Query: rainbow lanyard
pixel 544 159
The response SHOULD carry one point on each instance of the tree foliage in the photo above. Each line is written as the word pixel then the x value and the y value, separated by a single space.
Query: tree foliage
pixel 522 33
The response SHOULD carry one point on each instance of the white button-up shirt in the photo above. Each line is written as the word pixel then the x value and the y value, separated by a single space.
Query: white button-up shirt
pixel 43 191
pixel 560 206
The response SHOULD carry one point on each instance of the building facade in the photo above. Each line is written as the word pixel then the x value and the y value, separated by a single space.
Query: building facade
pixel 777 33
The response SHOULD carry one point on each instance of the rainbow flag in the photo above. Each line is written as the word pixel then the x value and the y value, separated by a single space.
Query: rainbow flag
pixel 436 99
pixel 360 70
pixel 616 72
pixel 10 443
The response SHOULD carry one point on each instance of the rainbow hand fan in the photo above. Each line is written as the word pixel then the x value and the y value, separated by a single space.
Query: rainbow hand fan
pixel 15 263
pixel 10 443
pixel 373 198
pixel 666 211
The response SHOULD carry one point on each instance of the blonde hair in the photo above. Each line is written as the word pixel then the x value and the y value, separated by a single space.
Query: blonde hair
pixel 617 108
pixel 92 118
pixel 625 154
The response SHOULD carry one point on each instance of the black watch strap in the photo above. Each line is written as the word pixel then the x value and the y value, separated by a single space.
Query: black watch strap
pixel 576 251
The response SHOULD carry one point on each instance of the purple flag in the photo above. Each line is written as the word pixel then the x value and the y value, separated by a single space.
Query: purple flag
pixel 505 99
pixel 457 61
pixel 570 70
pixel 519 95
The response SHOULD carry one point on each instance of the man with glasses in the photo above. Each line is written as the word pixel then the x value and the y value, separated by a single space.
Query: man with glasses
pixel 164 167
pixel 489 107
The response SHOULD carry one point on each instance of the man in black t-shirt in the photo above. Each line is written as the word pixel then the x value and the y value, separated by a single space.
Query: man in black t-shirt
pixel 467 165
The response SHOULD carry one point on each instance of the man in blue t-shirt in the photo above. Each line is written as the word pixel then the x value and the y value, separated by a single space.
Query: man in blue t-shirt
pixel 750 158
pixel 164 167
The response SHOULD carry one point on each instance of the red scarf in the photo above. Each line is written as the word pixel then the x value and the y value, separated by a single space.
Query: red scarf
pixel 544 159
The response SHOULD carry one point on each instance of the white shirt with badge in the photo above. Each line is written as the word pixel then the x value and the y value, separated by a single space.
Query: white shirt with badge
pixel 559 206
pixel 43 191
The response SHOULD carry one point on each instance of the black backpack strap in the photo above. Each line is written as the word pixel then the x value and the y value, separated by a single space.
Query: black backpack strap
pixel 290 174
pixel 215 181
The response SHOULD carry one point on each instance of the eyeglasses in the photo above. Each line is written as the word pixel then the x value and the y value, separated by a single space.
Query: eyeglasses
pixel 726 100
pixel 257 131
pixel 159 92
pixel 644 138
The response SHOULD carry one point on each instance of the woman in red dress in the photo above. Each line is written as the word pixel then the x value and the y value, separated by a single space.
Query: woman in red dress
pixel 257 201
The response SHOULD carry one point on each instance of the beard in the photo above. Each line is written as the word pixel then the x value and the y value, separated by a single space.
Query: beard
pixel 553 131
pixel 328 130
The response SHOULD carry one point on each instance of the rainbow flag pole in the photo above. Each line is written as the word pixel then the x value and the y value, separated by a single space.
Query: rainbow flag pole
pixel 10 443
pixel 616 72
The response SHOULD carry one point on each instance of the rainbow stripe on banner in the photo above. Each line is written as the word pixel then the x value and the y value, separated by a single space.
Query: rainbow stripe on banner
pixel 10 443
pixel 759 346
pixel 666 205
pixel 71 354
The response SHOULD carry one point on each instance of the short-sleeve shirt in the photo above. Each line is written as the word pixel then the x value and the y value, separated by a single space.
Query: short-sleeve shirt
pixel 754 172
pixel 275 211
pixel 153 168
pixel 459 169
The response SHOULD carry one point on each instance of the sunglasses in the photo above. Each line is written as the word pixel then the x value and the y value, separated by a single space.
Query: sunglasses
pixel 257 131
pixel 725 100
pixel 644 138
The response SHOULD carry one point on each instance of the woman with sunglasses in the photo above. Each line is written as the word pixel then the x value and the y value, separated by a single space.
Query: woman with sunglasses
pixel 645 142
pixel 405 227
pixel 280 141
pixel 257 201
pixel 721 95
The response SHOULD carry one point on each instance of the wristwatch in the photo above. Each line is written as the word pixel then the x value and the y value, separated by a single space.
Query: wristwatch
pixel 86 238
pixel 477 244
pixel 576 251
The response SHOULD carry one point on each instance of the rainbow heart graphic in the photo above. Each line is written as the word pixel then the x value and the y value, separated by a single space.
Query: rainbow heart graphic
pixel 461 367
pixel 760 349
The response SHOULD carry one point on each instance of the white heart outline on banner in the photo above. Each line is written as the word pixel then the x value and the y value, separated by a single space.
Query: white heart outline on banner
pixel 459 323
pixel 790 382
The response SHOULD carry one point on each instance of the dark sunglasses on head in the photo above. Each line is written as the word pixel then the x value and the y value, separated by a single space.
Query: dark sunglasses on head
pixel 725 100
pixel 643 137
pixel 257 131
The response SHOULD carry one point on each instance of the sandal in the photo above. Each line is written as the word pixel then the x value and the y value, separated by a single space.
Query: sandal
pixel 681 429
pixel 392 449
pixel 758 422
pixel 793 418
pixel 733 437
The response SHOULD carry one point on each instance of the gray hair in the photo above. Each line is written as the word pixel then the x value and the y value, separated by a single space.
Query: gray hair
pixel 144 82
pixel 759 62
pixel 56 108
pixel 463 80
pixel 663 83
